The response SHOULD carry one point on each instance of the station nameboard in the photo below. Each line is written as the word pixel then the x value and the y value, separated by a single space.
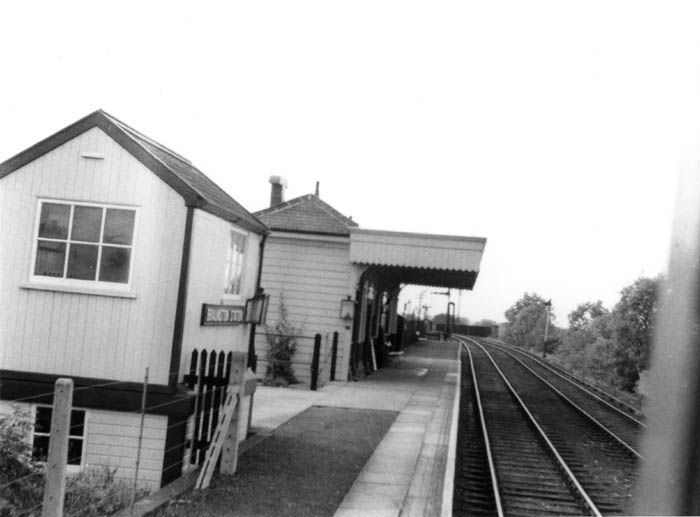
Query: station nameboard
pixel 221 315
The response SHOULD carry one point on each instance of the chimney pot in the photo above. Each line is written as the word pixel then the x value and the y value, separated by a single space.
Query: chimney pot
pixel 279 184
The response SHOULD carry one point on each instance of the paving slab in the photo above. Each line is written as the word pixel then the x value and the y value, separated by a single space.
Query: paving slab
pixel 406 473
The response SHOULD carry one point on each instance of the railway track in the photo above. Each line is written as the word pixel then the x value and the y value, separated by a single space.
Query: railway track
pixel 530 449
pixel 619 422
pixel 623 406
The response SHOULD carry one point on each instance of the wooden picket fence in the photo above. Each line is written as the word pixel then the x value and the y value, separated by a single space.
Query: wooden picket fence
pixel 209 375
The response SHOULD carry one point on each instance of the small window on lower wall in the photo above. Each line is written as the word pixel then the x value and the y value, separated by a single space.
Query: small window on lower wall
pixel 42 433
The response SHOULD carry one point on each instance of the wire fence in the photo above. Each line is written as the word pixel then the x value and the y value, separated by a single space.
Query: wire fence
pixel 33 480
pixel 188 435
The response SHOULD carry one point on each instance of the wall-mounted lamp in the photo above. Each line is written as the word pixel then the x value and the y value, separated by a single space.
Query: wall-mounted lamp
pixel 347 311
pixel 256 309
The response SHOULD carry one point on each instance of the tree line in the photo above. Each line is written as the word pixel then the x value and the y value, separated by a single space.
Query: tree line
pixel 608 345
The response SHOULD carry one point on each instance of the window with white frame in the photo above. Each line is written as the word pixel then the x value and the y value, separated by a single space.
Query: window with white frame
pixel 84 242
pixel 233 274
pixel 42 434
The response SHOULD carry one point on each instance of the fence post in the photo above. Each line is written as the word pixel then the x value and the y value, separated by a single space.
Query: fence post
pixel 334 354
pixel 138 450
pixel 315 362
pixel 55 489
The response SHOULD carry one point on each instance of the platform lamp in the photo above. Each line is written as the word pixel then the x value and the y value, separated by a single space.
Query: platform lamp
pixel 256 309
pixel 255 314
pixel 347 311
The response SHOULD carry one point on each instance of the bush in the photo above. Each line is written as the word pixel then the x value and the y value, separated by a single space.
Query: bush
pixel 94 491
pixel 281 339
pixel 21 479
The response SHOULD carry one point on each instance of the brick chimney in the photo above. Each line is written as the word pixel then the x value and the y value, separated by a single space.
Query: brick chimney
pixel 279 184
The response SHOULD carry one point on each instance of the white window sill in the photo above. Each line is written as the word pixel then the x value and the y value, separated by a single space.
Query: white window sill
pixel 95 291
pixel 71 470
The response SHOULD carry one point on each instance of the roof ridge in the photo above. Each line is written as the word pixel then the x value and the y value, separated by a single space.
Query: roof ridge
pixel 323 205
pixel 138 134
pixel 137 141
pixel 197 189
pixel 282 206
pixel 326 207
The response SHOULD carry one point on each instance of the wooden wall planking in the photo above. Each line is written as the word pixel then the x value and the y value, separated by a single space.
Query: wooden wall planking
pixel 210 242
pixel 312 275
pixel 112 441
pixel 69 333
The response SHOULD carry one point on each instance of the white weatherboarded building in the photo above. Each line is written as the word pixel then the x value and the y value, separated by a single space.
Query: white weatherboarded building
pixel 325 267
pixel 306 264
pixel 112 244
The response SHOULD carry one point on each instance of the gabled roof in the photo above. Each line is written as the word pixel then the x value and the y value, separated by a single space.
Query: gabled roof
pixel 192 184
pixel 306 214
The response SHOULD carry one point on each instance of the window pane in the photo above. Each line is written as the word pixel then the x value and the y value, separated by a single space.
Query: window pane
pixel 82 261
pixel 115 264
pixel 42 423
pixel 50 258
pixel 53 223
pixel 40 448
pixel 233 282
pixel 239 241
pixel 238 276
pixel 234 267
pixel 227 276
pixel 75 451
pixel 77 422
pixel 119 226
pixel 231 287
pixel 87 222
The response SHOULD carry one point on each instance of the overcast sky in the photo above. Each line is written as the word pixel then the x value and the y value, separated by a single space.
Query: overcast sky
pixel 551 128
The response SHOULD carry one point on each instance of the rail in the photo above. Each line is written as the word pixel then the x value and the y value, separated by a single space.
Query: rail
pixel 576 382
pixel 574 379
pixel 485 434
pixel 582 411
pixel 578 491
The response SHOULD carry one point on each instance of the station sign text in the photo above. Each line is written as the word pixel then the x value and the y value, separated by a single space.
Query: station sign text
pixel 221 315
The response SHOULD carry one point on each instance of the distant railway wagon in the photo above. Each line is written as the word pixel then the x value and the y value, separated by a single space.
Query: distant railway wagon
pixel 119 255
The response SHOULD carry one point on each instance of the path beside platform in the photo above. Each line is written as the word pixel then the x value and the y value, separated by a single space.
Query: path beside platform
pixel 406 472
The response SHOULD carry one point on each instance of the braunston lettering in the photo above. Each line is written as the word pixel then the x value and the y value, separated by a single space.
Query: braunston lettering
pixel 224 315
pixel 221 315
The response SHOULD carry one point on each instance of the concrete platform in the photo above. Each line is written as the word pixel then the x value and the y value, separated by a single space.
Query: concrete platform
pixel 411 471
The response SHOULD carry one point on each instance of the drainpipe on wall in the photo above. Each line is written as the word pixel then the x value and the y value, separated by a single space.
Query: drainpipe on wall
pixel 252 358
pixel 178 331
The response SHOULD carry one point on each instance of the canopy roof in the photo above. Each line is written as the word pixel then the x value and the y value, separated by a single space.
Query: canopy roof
pixel 416 258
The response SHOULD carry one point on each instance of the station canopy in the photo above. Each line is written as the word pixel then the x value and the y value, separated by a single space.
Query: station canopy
pixel 394 258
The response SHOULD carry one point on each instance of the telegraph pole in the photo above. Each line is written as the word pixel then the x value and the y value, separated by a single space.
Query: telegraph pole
pixel 548 307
